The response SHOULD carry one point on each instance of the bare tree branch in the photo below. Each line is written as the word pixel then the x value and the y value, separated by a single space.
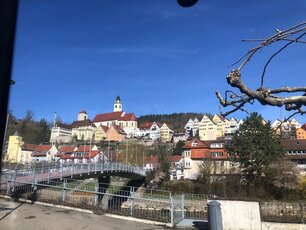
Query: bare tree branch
pixel 295 98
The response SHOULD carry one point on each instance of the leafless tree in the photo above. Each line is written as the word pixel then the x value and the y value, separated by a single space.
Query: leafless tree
pixel 293 99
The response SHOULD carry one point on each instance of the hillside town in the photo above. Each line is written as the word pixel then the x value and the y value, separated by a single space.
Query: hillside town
pixel 203 138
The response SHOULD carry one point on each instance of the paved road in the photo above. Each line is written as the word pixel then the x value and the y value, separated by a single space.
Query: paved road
pixel 20 216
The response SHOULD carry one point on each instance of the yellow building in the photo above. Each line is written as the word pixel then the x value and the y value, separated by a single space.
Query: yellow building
pixel 208 129
pixel 26 153
pixel 14 148
pixel 166 133
pixel 219 121
pixel 83 128
pixel 115 133
pixel 100 133
pixel 301 133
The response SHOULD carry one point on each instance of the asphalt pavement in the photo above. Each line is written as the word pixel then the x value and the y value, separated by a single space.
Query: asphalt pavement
pixel 21 216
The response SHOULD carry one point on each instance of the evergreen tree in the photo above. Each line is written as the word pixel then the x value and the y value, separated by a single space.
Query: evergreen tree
pixel 178 149
pixel 255 146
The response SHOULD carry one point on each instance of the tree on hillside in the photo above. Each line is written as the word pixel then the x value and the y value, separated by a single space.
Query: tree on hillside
pixel 177 121
pixel 255 146
pixel 162 154
pixel 293 99
pixel 31 131
pixel 12 125
pixel 206 169
pixel 178 149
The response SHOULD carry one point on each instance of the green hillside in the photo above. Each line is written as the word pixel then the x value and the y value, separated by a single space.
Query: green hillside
pixel 176 120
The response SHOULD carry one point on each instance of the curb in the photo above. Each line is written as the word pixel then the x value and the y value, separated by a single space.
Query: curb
pixel 128 218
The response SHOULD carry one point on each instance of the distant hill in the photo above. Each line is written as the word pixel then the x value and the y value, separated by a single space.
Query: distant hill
pixel 176 120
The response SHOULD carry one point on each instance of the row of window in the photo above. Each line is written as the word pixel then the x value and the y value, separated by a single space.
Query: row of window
pixel 216 145
pixel 296 152
pixel 216 154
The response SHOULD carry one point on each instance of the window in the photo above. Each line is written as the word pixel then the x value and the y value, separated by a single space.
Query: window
pixel 216 154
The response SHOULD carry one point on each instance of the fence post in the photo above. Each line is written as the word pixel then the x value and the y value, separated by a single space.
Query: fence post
pixel 171 210
pixel 49 174
pixel 8 188
pixel 64 191
pixel 15 176
pixel 96 202
pixel 302 213
pixel 95 167
pixel 214 216
pixel 72 170
pixel 183 206
pixel 33 179
pixel 132 199
pixel 61 171
pixel 34 194
pixel 82 168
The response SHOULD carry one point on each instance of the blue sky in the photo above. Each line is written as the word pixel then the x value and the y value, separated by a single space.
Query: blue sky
pixel 159 57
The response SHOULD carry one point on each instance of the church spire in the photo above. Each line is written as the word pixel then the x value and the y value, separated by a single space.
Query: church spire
pixel 118 104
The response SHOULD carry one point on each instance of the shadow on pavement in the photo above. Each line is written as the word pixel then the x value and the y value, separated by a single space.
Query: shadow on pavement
pixel 200 225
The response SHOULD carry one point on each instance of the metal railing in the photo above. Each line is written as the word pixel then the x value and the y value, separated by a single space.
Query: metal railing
pixel 195 206
pixel 60 171
pixel 56 184
pixel 98 198
pixel 285 212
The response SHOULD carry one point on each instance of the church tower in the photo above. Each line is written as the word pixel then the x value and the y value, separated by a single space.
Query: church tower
pixel 82 115
pixel 118 105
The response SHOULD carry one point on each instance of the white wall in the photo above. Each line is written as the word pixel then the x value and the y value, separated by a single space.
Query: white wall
pixel 282 226
pixel 245 215
pixel 240 215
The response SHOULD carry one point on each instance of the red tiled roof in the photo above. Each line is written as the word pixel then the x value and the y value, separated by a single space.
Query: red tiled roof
pixel 65 149
pixel 296 157
pixel 289 144
pixel 201 144
pixel 77 124
pixel 84 148
pixel 200 154
pixel 146 125
pixel 107 116
pixel 39 154
pixel 91 154
pixel 43 148
pixel 120 116
pixel 105 128
pixel 174 158
pixel 28 147
pixel 118 129
pixel 65 156
pixel 129 117
pixel 152 159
